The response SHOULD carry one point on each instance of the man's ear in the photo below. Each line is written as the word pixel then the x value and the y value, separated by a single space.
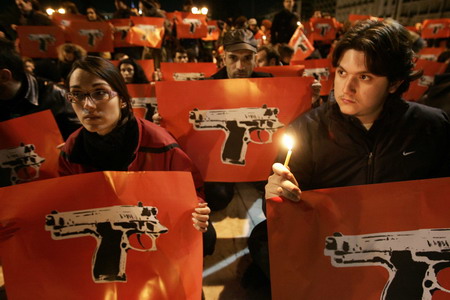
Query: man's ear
pixel 394 86
pixel 5 75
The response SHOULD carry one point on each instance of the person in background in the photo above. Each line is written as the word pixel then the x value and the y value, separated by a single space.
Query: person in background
pixel 181 55
pixel 284 23
pixel 257 33
pixel 92 15
pixel 365 133
pixel 21 93
pixel 113 139
pixel 131 71
pixel 28 64
pixel 30 14
pixel 286 52
pixel 267 56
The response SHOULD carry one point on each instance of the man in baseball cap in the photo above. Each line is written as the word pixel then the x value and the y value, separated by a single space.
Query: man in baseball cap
pixel 239 56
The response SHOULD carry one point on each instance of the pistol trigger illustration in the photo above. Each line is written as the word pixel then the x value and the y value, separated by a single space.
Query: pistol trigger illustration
pixel 139 240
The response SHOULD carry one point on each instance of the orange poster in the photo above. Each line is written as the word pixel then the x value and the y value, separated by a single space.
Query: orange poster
pixel 301 45
pixel 322 70
pixel 92 36
pixel 232 128
pixel 143 99
pixel 104 235
pixel 187 71
pixel 213 31
pixel 146 31
pixel 430 53
pixel 28 152
pixel 419 86
pixel 437 28
pixel 39 41
pixel 282 71
pixel 371 242
pixel 120 31
pixel 190 26
pixel 323 29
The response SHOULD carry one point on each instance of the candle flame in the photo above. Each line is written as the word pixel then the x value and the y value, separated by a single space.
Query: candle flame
pixel 288 141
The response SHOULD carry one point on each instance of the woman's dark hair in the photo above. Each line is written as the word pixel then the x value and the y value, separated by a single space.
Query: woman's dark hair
pixel 105 70
pixel 387 48
pixel 139 74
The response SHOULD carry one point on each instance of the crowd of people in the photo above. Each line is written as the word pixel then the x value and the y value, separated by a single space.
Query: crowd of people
pixel 356 137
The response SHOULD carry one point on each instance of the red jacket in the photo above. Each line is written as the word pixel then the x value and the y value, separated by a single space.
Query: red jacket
pixel 157 150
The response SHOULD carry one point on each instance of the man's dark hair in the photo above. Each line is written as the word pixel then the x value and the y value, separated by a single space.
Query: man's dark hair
pixel 107 71
pixel 11 60
pixel 387 49
pixel 139 74
pixel 180 50
pixel 270 54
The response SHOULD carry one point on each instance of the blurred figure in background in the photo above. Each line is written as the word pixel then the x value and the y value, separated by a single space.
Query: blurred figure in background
pixel 131 71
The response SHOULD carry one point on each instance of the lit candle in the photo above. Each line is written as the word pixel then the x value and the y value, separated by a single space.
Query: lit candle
pixel 289 143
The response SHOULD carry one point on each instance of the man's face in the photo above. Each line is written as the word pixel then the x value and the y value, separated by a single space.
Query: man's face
pixel 181 57
pixel 24 6
pixel 358 92
pixel 261 59
pixel 288 4
pixel 240 63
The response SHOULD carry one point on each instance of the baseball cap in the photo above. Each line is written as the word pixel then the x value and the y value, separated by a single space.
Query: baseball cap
pixel 239 39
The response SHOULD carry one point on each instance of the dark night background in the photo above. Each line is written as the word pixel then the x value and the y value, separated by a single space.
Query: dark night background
pixel 219 9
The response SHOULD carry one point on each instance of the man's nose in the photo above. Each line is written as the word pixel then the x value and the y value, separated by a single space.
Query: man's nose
pixel 239 64
pixel 350 85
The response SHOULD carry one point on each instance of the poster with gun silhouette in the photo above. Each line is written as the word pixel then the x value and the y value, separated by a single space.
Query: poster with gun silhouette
pixel 430 54
pixel 190 26
pixel 103 235
pixel 232 128
pixel 146 31
pixel 322 70
pixel 419 86
pixel 380 241
pixel 92 36
pixel 436 28
pixel 28 152
pixel 301 45
pixel 39 41
pixel 324 29
pixel 120 32
pixel 213 32
pixel 143 99
pixel 187 71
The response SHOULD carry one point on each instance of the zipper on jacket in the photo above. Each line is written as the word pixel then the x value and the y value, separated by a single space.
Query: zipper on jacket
pixel 370 168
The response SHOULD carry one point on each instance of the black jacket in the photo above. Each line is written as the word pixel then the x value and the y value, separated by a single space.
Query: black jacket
pixel 408 141
pixel 222 74
pixel 283 26
pixel 37 95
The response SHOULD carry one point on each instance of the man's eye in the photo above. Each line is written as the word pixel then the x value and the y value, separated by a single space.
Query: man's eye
pixel 340 72
pixel 365 77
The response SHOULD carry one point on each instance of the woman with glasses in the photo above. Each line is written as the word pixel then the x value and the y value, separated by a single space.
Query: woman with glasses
pixel 113 139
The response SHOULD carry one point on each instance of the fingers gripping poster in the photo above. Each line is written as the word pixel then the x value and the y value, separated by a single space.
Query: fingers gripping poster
pixel 104 235
pixel 232 129
pixel 380 241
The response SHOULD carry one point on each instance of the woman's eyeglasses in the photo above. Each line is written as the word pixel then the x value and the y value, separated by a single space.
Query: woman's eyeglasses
pixel 96 96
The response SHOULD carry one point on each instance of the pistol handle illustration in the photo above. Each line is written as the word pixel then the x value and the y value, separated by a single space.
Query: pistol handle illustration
pixel 235 146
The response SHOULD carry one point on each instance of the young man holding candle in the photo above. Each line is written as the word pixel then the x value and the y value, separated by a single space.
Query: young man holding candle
pixel 365 133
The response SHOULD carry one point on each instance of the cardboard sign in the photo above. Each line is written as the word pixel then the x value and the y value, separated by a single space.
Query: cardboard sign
pixel 146 31
pixel 380 241
pixel 437 28
pixel 40 41
pixel 301 45
pixel 92 36
pixel 28 152
pixel 82 232
pixel 231 129
pixel 187 71
pixel 431 54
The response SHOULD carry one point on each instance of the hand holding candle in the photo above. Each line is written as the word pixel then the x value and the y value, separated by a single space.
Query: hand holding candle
pixel 289 143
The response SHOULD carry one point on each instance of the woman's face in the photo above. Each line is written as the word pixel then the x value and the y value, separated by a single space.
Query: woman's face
pixel 96 116
pixel 68 56
pixel 127 71
pixel 91 15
